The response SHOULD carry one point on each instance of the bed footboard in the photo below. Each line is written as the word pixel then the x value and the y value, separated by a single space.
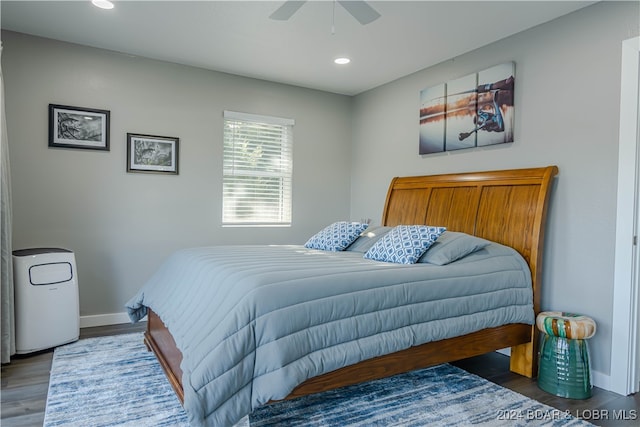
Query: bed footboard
pixel 159 340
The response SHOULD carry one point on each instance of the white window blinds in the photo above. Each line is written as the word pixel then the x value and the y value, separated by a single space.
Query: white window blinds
pixel 258 166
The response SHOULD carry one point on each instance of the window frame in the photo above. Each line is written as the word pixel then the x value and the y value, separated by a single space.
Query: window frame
pixel 242 175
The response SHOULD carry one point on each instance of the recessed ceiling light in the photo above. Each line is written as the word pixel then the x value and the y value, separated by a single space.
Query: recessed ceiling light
pixel 102 4
pixel 342 61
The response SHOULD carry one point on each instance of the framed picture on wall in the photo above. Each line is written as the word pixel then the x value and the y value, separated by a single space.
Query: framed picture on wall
pixel 78 127
pixel 149 153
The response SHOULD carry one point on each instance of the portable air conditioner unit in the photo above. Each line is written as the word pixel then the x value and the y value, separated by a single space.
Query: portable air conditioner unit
pixel 46 297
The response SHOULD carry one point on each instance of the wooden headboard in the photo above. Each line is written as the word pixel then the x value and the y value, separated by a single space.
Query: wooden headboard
pixel 507 207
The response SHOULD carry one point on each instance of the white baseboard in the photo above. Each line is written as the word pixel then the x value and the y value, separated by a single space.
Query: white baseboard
pixel 104 319
pixel 601 380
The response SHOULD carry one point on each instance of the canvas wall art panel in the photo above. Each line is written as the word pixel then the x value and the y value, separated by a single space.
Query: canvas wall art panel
pixel 495 105
pixel 461 113
pixel 432 119
pixel 471 111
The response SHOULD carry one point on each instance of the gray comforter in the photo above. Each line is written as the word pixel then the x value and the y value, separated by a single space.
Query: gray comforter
pixel 253 322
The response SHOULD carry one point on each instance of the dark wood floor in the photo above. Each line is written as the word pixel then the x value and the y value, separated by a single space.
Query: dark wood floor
pixel 25 382
pixel 602 408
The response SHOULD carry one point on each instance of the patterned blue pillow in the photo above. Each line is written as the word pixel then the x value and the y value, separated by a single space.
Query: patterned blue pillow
pixel 404 244
pixel 336 237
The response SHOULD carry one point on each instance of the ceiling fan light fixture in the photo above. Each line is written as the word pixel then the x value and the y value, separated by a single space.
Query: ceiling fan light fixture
pixel 102 4
pixel 342 60
pixel 359 9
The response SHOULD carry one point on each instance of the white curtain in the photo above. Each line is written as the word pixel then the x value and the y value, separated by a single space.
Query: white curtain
pixel 7 343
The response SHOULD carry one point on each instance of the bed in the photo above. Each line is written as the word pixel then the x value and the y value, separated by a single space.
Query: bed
pixel 507 208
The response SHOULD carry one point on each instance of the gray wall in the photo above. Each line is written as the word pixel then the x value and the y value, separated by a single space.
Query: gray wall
pixel 122 225
pixel 567 113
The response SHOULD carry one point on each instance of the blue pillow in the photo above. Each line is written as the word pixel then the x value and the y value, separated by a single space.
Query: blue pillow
pixel 404 244
pixel 368 238
pixel 452 246
pixel 336 237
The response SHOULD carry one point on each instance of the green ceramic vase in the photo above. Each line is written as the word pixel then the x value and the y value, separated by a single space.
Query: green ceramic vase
pixel 564 368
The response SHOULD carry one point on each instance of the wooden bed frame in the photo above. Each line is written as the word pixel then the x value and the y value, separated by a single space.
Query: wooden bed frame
pixel 508 207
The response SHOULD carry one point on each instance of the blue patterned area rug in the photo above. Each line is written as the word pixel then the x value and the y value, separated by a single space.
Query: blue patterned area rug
pixel 115 381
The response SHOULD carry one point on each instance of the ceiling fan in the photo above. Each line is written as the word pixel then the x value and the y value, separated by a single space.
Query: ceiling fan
pixel 359 9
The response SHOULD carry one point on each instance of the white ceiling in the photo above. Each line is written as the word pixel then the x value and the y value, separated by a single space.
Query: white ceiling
pixel 238 37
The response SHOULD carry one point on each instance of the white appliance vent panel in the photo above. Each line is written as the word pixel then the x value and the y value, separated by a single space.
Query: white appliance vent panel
pixel 50 274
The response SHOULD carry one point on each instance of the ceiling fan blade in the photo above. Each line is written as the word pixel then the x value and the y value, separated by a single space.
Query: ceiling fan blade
pixel 287 10
pixel 360 10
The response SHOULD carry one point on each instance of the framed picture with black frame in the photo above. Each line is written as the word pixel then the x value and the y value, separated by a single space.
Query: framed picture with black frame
pixel 78 127
pixel 152 154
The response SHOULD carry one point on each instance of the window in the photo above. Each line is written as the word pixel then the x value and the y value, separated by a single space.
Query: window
pixel 258 166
